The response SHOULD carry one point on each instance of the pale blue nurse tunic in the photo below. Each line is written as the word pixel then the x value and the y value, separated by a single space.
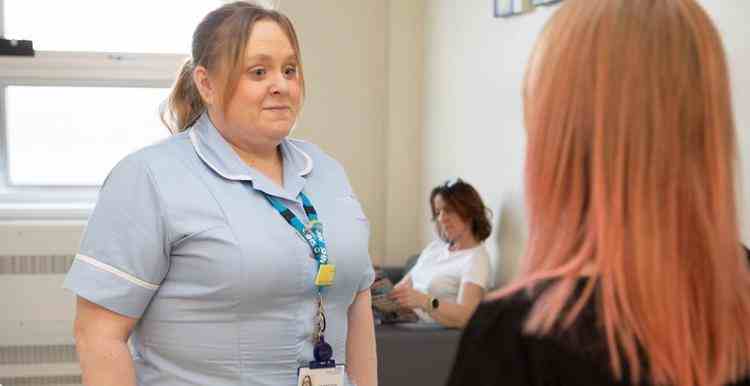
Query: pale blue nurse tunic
pixel 182 238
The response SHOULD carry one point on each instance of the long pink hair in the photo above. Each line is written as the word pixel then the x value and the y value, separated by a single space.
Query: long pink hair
pixel 630 177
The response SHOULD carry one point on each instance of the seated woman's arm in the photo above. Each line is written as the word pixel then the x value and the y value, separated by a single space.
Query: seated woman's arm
pixel 449 314
pixel 101 341
pixel 458 314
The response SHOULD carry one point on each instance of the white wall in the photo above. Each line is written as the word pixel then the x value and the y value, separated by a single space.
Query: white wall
pixel 731 18
pixel 363 67
pixel 403 146
pixel 344 55
pixel 474 65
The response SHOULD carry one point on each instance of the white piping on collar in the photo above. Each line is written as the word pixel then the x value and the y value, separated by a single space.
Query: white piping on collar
pixel 197 147
pixel 308 159
pixel 305 171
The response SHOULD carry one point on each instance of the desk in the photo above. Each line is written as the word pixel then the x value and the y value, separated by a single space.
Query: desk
pixel 414 354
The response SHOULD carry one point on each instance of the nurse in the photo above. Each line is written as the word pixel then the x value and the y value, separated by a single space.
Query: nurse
pixel 229 254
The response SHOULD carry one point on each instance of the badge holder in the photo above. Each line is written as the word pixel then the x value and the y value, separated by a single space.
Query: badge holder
pixel 323 370
pixel 322 352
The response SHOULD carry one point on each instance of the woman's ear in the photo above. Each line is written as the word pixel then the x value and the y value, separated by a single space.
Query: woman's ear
pixel 205 85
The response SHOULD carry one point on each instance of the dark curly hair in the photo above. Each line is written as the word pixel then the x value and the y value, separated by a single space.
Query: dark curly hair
pixel 466 202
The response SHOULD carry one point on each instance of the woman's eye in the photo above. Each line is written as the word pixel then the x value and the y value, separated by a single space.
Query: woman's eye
pixel 258 71
pixel 290 71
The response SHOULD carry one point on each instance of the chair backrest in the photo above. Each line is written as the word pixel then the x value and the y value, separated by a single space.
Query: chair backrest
pixel 410 263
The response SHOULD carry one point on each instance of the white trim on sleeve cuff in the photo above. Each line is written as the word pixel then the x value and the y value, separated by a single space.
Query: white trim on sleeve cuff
pixel 115 271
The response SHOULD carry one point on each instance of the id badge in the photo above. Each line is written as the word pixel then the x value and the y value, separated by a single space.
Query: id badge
pixel 326 376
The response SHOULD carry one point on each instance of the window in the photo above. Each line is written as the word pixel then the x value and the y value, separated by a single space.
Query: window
pixel 155 27
pixel 57 148
pixel 88 97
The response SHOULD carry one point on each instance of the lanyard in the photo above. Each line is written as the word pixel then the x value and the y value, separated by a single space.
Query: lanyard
pixel 312 233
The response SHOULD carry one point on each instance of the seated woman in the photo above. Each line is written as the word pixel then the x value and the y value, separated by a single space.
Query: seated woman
pixel 453 272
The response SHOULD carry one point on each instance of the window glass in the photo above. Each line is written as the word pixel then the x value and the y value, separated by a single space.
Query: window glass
pixel 75 135
pixel 163 26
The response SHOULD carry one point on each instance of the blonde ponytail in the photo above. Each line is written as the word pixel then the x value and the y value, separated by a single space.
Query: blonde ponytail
pixel 184 104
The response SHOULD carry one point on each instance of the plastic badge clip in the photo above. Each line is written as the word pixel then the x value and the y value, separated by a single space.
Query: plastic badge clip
pixel 323 352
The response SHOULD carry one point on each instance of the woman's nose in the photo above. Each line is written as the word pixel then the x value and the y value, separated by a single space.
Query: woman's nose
pixel 280 85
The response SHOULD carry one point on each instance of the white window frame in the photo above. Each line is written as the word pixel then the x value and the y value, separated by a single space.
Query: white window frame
pixel 77 69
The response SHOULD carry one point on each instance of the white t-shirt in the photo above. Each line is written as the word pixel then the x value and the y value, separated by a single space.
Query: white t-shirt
pixel 442 273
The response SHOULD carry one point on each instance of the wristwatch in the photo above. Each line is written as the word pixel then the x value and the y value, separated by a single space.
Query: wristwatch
pixel 432 304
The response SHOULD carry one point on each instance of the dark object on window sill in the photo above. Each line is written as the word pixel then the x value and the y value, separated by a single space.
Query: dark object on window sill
pixel 16 47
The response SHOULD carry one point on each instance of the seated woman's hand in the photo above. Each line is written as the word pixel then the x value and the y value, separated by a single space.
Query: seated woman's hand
pixel 404 283
pixel 407 297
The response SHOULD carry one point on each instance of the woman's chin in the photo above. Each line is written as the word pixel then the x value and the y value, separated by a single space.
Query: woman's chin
pixel 278 130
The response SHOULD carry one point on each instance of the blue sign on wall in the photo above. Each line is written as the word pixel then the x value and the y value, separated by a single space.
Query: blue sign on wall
pixel 506 8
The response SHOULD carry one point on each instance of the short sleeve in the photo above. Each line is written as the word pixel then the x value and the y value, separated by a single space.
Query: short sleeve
pixel 367 278
pixel 478 269
pixel 123 256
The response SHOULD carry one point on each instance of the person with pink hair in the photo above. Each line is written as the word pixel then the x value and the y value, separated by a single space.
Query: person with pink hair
pixel 633 273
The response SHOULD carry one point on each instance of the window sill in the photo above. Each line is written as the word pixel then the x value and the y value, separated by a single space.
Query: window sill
pixel 46 211
pixel 50 67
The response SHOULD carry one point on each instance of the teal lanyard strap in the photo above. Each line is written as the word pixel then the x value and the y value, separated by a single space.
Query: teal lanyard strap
pixel 312 233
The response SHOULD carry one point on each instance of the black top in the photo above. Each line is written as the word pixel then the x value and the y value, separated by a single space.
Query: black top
pixel 494 351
